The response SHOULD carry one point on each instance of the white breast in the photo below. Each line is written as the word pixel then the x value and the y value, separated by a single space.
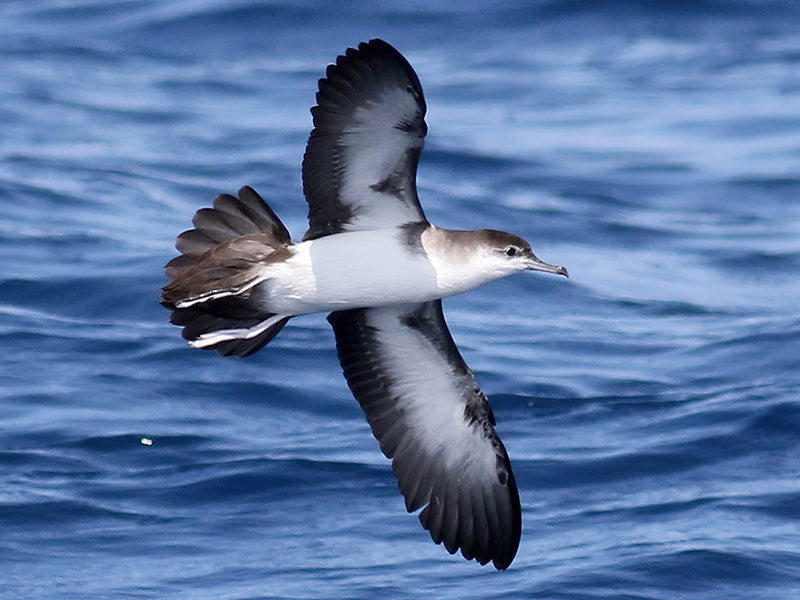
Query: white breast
pixel 350 270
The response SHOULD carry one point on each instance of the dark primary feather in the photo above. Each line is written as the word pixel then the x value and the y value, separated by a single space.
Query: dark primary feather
pixel 360 164
pixel 405 370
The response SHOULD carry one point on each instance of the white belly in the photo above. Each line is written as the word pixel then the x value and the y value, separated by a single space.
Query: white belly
pixel 350 270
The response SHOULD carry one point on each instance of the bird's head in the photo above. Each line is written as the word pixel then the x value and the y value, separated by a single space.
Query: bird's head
pixel 509 253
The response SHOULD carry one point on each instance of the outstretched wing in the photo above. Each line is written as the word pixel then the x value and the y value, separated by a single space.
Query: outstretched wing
pixel 430 417
pixel 360 165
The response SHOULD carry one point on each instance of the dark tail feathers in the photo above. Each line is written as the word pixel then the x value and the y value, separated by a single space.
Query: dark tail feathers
pixel 214 282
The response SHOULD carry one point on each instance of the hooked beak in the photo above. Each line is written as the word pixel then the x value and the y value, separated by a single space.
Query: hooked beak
pixel 534 264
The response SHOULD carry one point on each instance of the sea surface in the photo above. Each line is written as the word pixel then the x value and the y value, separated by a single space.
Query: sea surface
pixel 650 404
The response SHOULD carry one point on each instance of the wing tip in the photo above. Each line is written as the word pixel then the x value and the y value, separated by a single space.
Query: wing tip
pixel 375 56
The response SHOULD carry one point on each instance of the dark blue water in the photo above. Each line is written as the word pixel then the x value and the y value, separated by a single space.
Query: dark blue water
pixel 650 404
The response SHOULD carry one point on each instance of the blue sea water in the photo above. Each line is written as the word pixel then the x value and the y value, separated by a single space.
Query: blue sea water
pixel 650 404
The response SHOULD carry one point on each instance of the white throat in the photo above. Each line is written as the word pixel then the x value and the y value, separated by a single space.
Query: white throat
pixel 459 266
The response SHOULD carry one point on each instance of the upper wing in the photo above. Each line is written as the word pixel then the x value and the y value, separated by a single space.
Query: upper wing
pixel 360 165
pixel 430 417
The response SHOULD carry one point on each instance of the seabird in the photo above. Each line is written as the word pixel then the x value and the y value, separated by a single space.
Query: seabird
pixel 372 260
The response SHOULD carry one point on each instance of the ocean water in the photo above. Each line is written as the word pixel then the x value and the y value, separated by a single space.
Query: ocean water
pixel 650 403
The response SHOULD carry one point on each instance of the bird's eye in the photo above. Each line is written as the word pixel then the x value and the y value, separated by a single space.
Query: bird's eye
pixel 511 251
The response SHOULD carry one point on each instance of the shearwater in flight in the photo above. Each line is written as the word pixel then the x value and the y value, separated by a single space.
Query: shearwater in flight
pixel 372 260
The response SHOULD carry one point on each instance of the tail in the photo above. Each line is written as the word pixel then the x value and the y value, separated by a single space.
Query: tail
pixel 214 290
